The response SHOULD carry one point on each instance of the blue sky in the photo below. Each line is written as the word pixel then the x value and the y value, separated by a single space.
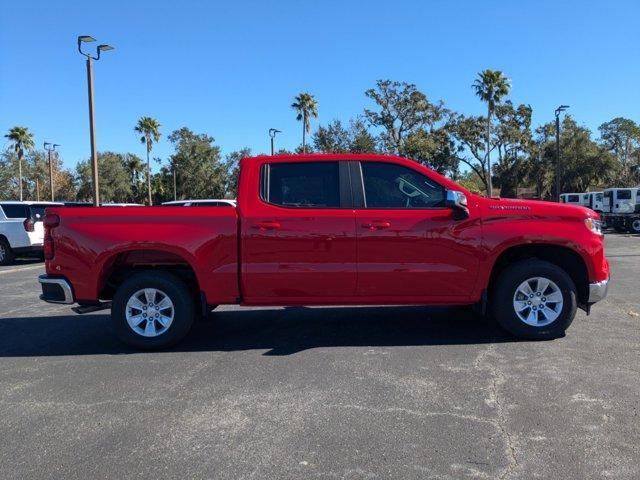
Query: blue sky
pixel 231 69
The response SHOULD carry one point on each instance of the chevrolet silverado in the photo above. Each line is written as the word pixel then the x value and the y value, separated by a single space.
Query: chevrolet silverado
pixel 328 230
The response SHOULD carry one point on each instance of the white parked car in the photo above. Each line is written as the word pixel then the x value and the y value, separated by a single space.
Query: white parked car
pixel 209 202
pixel 21 229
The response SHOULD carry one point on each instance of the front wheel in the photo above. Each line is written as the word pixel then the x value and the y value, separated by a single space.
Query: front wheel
pixel 635 226
pixel 152 310
pixel 534 299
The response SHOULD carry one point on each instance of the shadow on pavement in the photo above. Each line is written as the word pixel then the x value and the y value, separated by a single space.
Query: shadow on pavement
pixel 279 331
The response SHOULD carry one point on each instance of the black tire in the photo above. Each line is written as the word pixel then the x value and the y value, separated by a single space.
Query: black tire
pixel 502 299
pixel 178 293
pixel 6 254
pixel 634 225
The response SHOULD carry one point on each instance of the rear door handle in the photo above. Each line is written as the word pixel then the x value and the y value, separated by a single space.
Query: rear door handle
pixel 267 225
pixel 377 225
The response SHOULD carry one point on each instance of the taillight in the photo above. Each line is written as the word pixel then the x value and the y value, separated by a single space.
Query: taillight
pixel 51 220
pixel 28 225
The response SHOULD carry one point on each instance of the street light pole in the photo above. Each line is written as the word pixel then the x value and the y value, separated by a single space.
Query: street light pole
pixel 94 153
pixel 559 110
pixel 272 134
pixel 92 134
pixel 50 148
pixel 175 190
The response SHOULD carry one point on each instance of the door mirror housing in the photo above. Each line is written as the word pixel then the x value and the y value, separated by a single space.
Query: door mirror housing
pixel 457 201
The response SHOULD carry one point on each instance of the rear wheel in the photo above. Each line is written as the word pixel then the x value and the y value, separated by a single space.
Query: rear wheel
pixel 534 299
pixel 635 226
pixel 6 254
pixel 152 310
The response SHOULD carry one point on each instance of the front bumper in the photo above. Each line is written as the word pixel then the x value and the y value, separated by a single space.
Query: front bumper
pixel 598 290
pixel 55 290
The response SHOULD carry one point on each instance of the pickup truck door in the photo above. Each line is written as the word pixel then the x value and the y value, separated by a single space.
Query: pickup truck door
pixel 410 247
pixel 299 237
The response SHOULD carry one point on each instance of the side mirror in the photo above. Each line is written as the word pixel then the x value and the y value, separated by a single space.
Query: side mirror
pixel 457 201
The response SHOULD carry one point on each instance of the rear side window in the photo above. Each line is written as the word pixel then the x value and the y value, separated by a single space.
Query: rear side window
pixel 387 185
pixel 624 195
pixel 302 185
pixel 573 198
pixel 15 211
pixel 36 212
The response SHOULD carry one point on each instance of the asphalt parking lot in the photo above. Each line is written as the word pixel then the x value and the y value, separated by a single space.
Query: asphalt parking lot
pixel 356 393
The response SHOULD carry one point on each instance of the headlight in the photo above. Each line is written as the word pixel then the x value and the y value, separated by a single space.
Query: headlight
pixel 594 225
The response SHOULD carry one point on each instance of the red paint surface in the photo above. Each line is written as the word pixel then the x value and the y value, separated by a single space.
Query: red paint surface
pixel 289 256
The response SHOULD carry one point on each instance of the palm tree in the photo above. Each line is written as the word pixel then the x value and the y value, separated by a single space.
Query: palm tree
pixel 150 130
pixel 22 139
pixel 307 106
pixel 491 86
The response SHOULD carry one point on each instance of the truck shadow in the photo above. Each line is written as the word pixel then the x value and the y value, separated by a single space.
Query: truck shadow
pixel 277 331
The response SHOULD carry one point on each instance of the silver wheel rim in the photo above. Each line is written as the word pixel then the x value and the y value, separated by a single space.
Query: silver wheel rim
pixel 149 312
pixel 538 301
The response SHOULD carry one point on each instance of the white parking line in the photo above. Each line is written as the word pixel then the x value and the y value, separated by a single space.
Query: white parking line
pixel 12 270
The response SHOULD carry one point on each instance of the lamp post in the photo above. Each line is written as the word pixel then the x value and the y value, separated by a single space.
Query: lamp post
pixel 175 183
pixel 559 110
pixel 50 147
pixel 272 135
pixel 94 154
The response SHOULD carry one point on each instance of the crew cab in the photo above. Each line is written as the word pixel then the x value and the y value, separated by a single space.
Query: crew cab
pixel 328 230
pixel 21 229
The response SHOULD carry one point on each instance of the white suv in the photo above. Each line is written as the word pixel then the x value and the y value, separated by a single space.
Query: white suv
pixel 21 229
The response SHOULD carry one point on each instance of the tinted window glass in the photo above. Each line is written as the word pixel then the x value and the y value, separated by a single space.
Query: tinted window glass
pixel 624 194
pixel 37 211
pixel 387 185
pixel 308 184
pixel 15 211
pixel 573 198
pixel 210 204
pixel 598 197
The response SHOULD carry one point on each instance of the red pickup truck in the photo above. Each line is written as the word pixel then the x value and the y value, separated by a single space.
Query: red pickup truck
pixel 328 230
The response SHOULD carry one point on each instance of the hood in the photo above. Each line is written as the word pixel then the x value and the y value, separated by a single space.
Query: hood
pixel 538 208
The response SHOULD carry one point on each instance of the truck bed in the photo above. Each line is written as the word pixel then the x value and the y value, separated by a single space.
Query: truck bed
pixel 90 246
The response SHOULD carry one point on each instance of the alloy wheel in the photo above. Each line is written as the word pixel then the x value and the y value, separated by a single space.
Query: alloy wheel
pixel 538 301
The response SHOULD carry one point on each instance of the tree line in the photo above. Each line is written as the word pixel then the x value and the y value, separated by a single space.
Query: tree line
pixel 501 150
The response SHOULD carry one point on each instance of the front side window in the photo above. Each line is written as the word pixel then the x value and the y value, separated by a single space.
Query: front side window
pixel 624 194
pixel 302 185
pixel 387 185
pixel 15 211
pixel 573 199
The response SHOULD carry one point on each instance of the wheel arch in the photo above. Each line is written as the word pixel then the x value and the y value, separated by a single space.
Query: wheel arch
pixel 119 266
pixel 564 257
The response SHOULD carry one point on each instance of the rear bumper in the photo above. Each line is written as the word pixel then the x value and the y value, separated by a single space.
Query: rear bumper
pixel 55 290
pixel 30 249
pixel 598 290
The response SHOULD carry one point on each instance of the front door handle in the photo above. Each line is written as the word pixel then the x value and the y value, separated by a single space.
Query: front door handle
pixel 377 225
pixel 267 225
